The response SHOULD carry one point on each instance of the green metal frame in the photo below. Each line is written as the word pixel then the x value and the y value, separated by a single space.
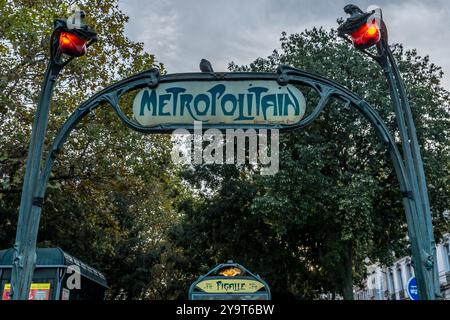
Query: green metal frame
pixel 229 265
pixel 409 170
pixel 418 212
pixel 110 96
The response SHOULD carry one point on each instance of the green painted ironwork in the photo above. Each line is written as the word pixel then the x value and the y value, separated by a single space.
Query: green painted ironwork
pixel 110 96
pixel 195 293
pixel 409 170
pixel 418 212
pixel 24 259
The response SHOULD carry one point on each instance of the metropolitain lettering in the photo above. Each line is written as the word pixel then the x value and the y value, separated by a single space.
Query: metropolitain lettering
pixel 252 103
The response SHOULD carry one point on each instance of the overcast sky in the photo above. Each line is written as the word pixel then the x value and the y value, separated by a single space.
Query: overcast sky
pixel 181 32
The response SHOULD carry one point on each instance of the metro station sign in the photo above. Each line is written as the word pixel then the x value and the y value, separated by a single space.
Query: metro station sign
pixel 222 285
pixel 229 281
pixel 258 102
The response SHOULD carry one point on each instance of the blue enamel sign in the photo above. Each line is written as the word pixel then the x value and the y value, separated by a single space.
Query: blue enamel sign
pixel 413 292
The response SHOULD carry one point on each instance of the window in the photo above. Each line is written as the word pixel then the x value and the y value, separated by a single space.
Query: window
pixel 447 255
pixel 400 278
pixel 409 270
pixel 391 284
pixel 385 283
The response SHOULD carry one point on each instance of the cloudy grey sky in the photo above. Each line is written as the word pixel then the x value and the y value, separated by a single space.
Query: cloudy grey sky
pixel 181 32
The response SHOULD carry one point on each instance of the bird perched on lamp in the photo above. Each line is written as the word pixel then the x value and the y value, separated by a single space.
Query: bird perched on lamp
pixel 205 66
pixel 353 10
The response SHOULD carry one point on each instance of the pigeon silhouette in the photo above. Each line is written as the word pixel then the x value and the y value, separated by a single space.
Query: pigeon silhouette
pixel 205 66
pixel 353 10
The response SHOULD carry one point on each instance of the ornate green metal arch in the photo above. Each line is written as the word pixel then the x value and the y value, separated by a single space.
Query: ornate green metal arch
pixel 408 166
pixel 326 89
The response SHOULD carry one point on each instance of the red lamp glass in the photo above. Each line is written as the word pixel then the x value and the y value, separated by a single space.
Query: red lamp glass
pixel 366 36
pixel 72 45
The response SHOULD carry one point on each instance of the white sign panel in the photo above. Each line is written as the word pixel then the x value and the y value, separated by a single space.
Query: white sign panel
pixel 256 102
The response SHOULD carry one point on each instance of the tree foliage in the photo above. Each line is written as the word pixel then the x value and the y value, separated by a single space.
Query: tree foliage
pixel 109 200
pixel 335 201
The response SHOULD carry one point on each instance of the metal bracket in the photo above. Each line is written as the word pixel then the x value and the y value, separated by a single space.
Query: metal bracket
pixel 408 194
pixel 153 81
pixel 38 201
pixel 112 99
pixel 54 153
pixel 283 78
pixel 218 75
pixel 429 262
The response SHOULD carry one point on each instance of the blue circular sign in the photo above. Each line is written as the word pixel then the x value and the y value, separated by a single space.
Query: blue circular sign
pixel 413 291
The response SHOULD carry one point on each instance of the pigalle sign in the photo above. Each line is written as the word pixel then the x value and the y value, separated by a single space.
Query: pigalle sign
pixel 224 285
pixel 257 102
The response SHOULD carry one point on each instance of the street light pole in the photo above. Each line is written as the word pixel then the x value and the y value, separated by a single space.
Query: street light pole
pixel 24 258
pixel 415 162
pixel 368 29
pixel 25 245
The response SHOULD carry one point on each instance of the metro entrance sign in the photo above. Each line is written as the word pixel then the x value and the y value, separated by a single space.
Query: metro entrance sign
pixel 239 102
pixel 229 281
pixel 231 100
pixel 224 285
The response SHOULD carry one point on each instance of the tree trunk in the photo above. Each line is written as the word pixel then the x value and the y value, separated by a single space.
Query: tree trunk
pixel 347 277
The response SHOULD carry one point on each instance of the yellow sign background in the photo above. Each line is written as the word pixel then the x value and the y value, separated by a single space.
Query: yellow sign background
pixel 34 286
pixel 229 285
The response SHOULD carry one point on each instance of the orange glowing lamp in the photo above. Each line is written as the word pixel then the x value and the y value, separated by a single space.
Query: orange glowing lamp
pixel 366 36
pixel 72 45
pixel 230 272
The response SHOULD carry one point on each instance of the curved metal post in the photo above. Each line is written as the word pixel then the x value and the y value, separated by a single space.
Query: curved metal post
pixel 424 253
pixel 24 258
pixel 421 229
pixel 418 166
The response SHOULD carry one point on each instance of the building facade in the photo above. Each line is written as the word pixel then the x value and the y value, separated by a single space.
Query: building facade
pixel 390 282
